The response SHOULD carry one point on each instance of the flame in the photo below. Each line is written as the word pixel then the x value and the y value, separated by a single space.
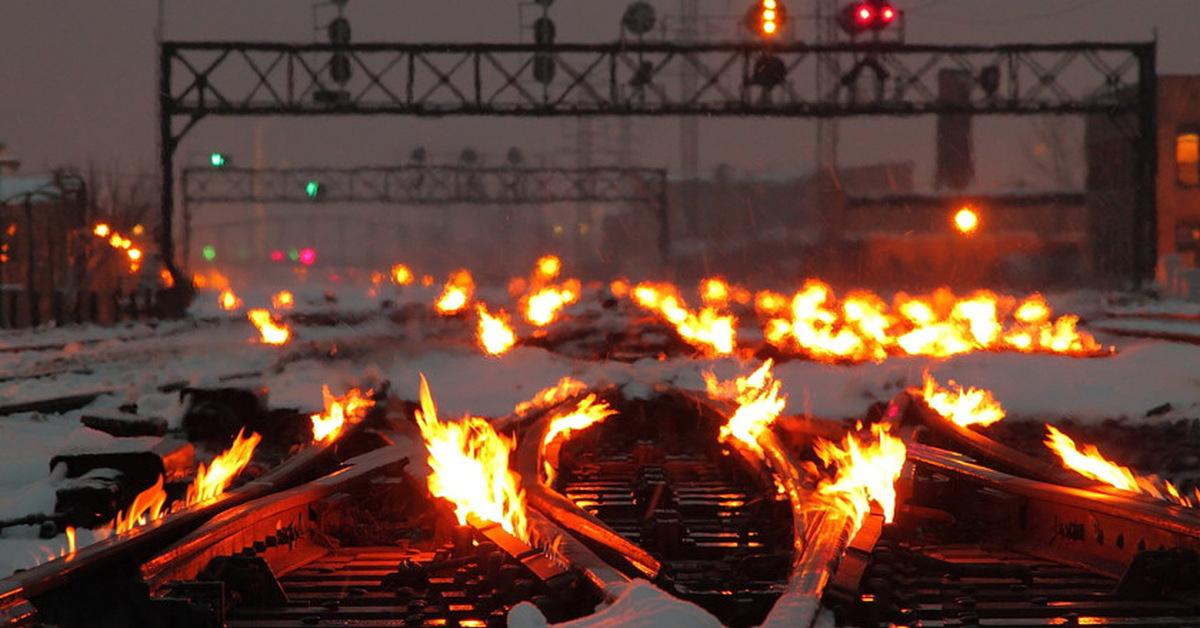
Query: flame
pixel 862 327
pixel 468 464
pixel 69 531
pixel 548 267
pixel 212 480
pixel 708 330
pixel 457 293
pixel 283 300
pixel 494 333
pixel 975 406
pixel 588 412
pixel 566 388
pixel 271 332
pixel 146 507
pixel 402 275
pixel 228 300
pixel 102 230
pixel 1090 463
pixel 866 472
pixel 544 300
pixel 543 306
pixel 327 425
pixel 759 403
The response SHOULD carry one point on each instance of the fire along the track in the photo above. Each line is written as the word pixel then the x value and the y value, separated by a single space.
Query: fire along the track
pixel 457 294
pixel 271 331
pixel 865 468
pixel 541 299
pixel 759 404
pixel 211 481
pixel 349 408
pixel 468 463
pixel 978 407
pixel 561 426
pixel 973 406
pixel 494 333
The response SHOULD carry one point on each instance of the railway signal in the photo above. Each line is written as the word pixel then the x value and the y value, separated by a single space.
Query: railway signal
pixel 766 18
pixel 867 15
pixel 218 160
pixel 313 189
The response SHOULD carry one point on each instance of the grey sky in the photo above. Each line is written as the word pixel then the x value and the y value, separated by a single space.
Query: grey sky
pixel 77 78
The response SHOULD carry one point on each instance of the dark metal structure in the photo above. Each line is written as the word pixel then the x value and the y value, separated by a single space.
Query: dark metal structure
pixel 421 184
pixel 203 79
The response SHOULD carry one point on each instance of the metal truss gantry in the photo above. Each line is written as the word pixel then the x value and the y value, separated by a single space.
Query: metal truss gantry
pixel 204 79
pixel 421 184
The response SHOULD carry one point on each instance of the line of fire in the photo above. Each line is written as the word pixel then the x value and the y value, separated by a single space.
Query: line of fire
pixel 673 472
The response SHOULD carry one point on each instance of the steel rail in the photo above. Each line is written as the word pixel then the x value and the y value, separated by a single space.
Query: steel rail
pixel 1102 530
pixel 120 554
pixel 558 508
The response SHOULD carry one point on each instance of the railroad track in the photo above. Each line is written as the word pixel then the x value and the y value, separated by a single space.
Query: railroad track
pixel 983 536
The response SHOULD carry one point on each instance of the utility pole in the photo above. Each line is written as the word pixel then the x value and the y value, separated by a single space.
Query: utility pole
pixel 828 79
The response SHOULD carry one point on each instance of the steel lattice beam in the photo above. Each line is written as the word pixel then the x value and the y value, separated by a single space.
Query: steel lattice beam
pixel 420 184
pixel 217 78
pixel 200 79
pixel 425 185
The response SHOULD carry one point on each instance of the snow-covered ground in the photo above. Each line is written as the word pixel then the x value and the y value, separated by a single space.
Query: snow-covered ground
pixel 131 362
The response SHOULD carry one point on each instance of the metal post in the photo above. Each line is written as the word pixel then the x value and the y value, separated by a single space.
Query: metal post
pixel 166 154
pixel 30 285
pixel 1145 213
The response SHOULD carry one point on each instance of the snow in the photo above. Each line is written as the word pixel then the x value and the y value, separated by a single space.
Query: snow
pixel 132 362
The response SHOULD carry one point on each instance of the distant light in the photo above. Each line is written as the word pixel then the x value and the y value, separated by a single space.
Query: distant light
pixel 293 254
pixel 138 230
pixel 209 252
pixel 134 254
pixel 307 257
pixel 101 230
pixel 217 160
pixel 768 4
pixel 312 189
pixel 864 13
pixel 768 27
pixel 887 14
pixel 966 220
pixel 277 256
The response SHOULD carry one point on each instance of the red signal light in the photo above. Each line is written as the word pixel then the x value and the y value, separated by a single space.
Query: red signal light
pixel 865 15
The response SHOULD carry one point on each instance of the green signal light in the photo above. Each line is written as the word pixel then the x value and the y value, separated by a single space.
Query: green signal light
pixel 293 254
pixel 209 253
pixel 217 160
pixel 312 189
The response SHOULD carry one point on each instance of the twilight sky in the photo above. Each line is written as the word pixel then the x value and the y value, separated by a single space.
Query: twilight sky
pixel 77 81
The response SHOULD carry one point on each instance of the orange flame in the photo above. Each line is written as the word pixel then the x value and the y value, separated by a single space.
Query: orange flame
pixel 566 388
pixel 468 463
pixel 271 332
pixel 866 472
pixel 494 333
pixel 102 230
pixel 863 328
pixel 457 293
pixel 587 413
pixel 353 405
pixel 975 406
pixel 69 531
pixel 548 267
pixel 1091 464
pixel 146 507
pixel 283 300
pixel 711 332
pixel 759 404
pixel 402 275
pixel 228 300
pixel 212 480
pixel 966 220
pixel 543 306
